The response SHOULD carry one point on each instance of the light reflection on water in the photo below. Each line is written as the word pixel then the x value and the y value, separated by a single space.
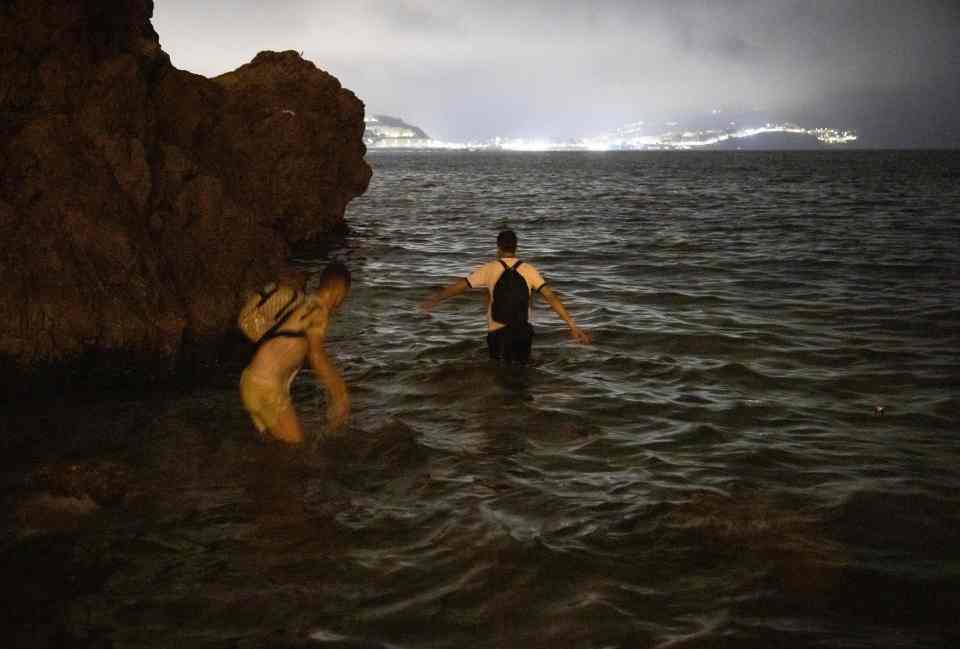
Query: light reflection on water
pixel 711 472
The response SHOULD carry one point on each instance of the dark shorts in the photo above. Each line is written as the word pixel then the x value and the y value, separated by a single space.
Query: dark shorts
pixel 511 344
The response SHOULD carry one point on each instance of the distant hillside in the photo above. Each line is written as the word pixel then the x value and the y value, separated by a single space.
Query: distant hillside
pixel 714 131
pixel 384 129
pixel 770 141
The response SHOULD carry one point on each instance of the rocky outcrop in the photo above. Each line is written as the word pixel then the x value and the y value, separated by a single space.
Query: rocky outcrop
pixel 392 132
pixel 138 201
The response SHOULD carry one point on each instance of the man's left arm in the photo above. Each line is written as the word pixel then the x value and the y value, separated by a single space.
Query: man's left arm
pixel 554 301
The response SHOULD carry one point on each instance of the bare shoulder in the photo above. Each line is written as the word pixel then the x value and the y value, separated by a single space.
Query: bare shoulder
pixel 315 314
pixel 529 270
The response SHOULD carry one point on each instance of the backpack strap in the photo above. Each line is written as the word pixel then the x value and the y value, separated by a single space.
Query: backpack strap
pixel 273 332
pixel 266 295
pixel 283 334
pixel 505 267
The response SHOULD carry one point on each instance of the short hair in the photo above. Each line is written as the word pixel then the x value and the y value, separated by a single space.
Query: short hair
pixel 335 271
pixel 507 240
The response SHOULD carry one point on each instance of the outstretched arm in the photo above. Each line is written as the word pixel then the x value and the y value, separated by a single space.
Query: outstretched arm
pixel 456 288
pixel 579 334
pixel 338 398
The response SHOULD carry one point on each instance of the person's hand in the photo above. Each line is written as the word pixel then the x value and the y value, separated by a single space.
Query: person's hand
pixel 580 335
pixel 338 413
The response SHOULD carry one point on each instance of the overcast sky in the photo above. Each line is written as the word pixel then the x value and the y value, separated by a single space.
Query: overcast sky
pixel 558 68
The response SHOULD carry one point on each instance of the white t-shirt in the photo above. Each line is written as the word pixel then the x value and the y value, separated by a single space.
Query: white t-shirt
pixel 486 276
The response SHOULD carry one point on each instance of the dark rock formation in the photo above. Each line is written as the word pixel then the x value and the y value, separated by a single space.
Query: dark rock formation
pixel 138 201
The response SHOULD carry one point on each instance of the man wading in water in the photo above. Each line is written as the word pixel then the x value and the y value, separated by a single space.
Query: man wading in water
pixel 509 283
pixel 265 383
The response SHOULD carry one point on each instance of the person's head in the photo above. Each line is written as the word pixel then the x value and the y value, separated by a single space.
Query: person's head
pixel 335 281
pixel 507 242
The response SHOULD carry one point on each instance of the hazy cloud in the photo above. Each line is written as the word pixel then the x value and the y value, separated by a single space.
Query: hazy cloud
pixel 474 69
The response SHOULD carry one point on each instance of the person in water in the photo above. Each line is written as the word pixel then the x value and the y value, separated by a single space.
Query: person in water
pixel 265 383
pixel 509 338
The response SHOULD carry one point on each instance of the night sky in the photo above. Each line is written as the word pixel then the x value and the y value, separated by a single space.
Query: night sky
pixel 524 68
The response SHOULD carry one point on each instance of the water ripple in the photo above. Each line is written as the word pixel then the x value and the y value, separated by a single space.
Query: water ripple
pixel 758 450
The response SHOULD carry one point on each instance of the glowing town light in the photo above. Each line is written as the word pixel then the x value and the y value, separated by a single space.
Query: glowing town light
pixel 625 138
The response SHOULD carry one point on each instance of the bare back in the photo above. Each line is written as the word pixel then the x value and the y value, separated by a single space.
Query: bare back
pixel 280 357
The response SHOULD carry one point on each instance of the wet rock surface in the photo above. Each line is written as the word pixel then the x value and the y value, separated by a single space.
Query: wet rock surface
pixel 138 201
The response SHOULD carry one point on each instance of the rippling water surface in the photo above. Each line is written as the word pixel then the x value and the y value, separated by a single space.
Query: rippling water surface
pixel 760 449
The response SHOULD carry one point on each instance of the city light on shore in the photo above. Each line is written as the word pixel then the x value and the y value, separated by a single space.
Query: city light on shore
pixel 628 138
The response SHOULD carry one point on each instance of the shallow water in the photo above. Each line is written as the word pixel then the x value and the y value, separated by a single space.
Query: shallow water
pixel 759 449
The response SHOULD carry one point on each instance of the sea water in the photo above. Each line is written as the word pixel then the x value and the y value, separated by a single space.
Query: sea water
pixel 760 448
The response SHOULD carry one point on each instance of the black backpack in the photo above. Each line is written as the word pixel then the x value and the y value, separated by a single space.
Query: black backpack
pixel 511 297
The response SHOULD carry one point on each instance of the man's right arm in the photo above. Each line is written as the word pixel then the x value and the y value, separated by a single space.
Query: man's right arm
pixel 579 334
pixel 456 288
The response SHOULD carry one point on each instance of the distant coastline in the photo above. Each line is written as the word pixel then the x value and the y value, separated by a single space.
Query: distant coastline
pixel 392 133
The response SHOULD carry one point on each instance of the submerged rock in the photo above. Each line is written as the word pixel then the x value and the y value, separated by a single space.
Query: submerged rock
pixel 57 496
pixel 103 482
pixel 49 512
pixel 138 201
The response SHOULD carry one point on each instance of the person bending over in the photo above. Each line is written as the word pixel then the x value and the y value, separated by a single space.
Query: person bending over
pixel 510 284
pixel 265 383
